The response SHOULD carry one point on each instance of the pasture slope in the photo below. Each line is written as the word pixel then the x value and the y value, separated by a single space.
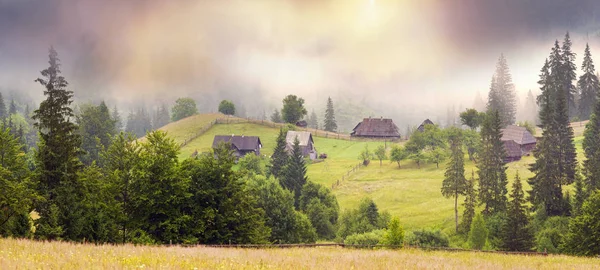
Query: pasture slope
pixel 409 192
pixel 27 254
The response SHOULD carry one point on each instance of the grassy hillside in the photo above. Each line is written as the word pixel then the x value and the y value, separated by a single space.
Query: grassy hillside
pixel 409 192
pixel 26 254
pixel 188 127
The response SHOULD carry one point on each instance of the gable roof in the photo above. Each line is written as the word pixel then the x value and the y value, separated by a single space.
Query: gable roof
pixel 376 127
pixel 242 143
pixel 422 126
pixel 518 134
pixel 303 136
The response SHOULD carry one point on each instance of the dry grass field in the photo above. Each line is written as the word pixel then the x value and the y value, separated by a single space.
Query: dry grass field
pixel 26 254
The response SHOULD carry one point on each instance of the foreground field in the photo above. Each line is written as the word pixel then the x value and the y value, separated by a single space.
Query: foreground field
pixel 25 254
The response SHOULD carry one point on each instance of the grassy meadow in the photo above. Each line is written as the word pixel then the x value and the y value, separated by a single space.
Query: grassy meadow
pixel 409 192
pixel 26 254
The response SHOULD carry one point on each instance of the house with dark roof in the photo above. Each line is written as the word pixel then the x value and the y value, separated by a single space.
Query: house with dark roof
pixel 421 127
pixel 376 128
pixel 518 142
pixel 306 143
pixel 241 145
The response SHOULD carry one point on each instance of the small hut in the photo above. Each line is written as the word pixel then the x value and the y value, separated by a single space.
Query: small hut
pixel 241 145
pixel 421 127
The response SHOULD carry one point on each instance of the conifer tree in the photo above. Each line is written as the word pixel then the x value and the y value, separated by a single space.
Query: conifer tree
pixel 588 85
pixel 280 157
pixel 555 154
pixel 591 148
pixel 276 117
pixel 478 232
pixel 117 118
pixel 530 108
pixel 455 183
pixel 567 76
pixel 492 170
pixel 294 172
pixel 13 107
pixel 580 194
pixel 313 122
pixel 502 97
pixel 3 112
pixel 469 205
pixel 330 124
pixel 161 117
pixel 516 233
pixel 57 157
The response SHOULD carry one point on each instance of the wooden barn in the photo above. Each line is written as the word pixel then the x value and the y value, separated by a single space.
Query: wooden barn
pixel 307 144
pixel 421 127
pixel 376 128
pixel 518 142
pixel 241 145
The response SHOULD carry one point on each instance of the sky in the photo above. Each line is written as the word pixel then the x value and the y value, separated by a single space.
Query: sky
pixel 404 59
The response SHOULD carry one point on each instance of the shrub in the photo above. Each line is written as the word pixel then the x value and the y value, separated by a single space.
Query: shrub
pixel 371 238
pixel 394 235
pixel 478 233
pixel 427 238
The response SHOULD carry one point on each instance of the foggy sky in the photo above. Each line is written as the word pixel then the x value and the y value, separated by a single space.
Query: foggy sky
pixel 402 59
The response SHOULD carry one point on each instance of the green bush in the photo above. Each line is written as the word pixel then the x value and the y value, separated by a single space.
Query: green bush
pixel 478 233
pixel 427 238
pixel 371 238
pixel 394 235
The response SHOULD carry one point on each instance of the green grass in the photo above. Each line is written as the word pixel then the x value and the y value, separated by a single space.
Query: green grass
pixel 411 193
pixel 188 127
pixel 27 254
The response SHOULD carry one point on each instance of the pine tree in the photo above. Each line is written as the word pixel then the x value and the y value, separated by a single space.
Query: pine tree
pixel 530 108
pixel 502 97
pixel 516 232
pixel 469 205
pixel 492 170
pixel 567 76
pixel 3 113
pixel 580 194
pixel 276 117
pixel 57 162
pixel 117 118
pixel 313 122
pixel 455 183
pixel 588 85
pixel 161 117
pixel 280 156
pixel 546 190
pixel 478 232
pixel 294 172
pixel 591 148
pixel 13 107
pixel 329 122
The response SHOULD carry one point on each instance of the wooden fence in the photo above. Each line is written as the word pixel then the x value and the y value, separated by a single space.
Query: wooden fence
pixel 448 249
pixel 345 176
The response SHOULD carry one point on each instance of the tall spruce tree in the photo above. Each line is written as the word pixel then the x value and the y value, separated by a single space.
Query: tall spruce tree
pixel 492 170
pixel 530 109
pixel 12 109
pixel 469 205
pixel 591 148
pixel 294 172
pixel 161 116
pixel 280 156
pixel 96 127
pixel 57 160
pixel 455 183
pixel 329 123
pixel 588 85
pixel 117 118
pixel 516 233
pixel 313 122
pixel 502 97
pixel 545 190
pixel 567 76
pixel 3 112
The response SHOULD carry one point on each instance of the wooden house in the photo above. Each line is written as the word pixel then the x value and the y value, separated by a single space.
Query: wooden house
pixel 241 145
pixel 307 144
pixel 376 128
pixel 421 127
pixel 518 142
